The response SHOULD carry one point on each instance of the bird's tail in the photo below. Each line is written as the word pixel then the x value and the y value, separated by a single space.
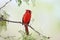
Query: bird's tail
pixel 26 29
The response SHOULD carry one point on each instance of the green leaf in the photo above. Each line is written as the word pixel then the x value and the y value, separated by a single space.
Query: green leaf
pixel 19 2
pixel 3 24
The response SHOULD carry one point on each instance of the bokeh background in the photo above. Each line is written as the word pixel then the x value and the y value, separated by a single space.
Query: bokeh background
pixel 45 17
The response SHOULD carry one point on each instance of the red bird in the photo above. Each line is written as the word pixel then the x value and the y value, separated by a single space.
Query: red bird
pixel 26 20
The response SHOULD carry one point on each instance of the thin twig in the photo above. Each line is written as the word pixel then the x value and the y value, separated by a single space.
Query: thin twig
pixel 34 29
pixel 38 32
pixel 5 4
pixel 13 21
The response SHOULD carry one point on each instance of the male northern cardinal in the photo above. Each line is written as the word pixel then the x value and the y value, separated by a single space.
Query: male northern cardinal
pixel 26 20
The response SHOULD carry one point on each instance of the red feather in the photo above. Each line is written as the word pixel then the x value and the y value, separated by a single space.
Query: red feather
pixel 26 20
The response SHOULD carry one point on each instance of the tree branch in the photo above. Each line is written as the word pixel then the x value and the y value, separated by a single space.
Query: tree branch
pixel 13 21
pixel 22 23
pixel 28 25
pixel 5 4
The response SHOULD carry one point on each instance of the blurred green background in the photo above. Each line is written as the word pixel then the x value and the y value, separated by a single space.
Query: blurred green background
pixel 45 17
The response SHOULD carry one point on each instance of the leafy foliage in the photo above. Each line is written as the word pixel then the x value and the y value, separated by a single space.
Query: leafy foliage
pixel 3 24
pixel 19 2
pixel 27 1
pixel 26 37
